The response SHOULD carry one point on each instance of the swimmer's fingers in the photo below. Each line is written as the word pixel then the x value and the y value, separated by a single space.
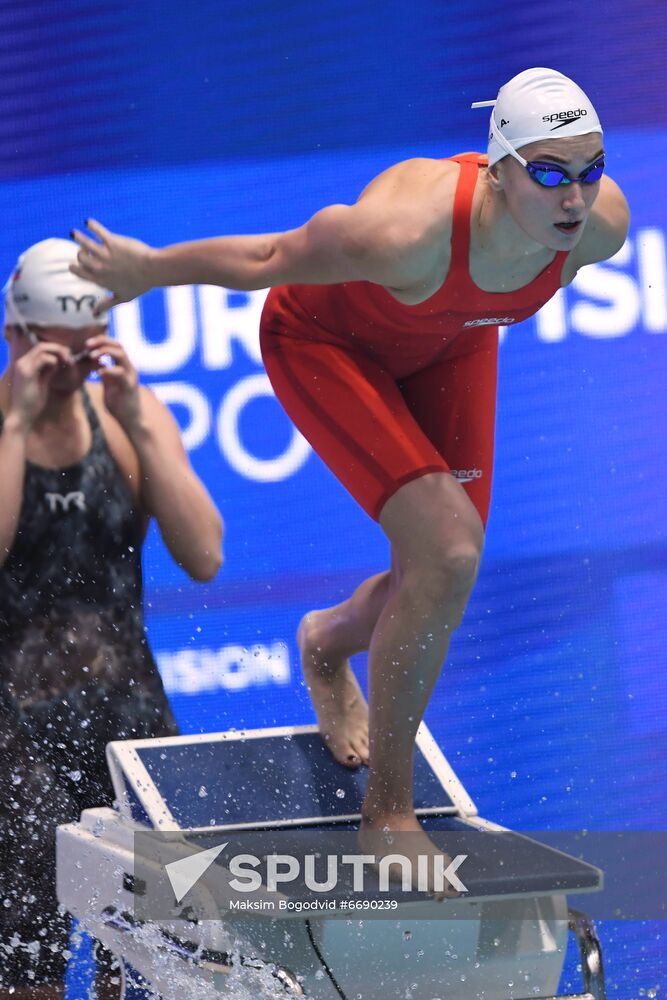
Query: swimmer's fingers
pixel 117 263
pixel 87 267
pixel 90 273
pixel 91 266
pixel 43 357
pixel 87 245
pixel 101 347
pixel 106 303
pixel 103 234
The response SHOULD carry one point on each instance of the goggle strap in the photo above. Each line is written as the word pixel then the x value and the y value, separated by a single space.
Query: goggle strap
pixel 502 141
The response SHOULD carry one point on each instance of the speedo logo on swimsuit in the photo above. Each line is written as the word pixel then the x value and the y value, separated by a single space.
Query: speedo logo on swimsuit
pixel 491 321
pixel 466 475
pixel 564 117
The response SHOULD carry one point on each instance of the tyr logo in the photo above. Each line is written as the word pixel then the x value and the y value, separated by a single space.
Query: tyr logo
pixel 67 300
pixel 60 501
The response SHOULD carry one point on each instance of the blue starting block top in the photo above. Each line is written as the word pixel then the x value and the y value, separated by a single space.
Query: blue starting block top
pixel 261 778
pixel 278 779
pixel 498 863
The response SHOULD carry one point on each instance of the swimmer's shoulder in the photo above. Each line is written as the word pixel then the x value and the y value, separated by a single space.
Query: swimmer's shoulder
pixel 606 227
pixel 412 183
pixel 418 195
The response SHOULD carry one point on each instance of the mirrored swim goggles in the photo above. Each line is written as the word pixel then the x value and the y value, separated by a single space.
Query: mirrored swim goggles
pixel 545 174
pixel 549 175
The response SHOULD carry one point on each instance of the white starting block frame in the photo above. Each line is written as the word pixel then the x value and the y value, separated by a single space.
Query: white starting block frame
pixel 514 931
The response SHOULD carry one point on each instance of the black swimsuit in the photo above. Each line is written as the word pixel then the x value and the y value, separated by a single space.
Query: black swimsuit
pixel 75 672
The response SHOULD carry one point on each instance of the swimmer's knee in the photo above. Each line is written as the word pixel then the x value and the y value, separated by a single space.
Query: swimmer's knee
pixel 460 563
pixel 446 578
pixel 454 567
pixel 456 543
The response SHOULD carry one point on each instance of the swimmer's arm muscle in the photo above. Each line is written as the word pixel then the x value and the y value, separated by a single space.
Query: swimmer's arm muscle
pixel 387 237
pixel 339 243
pixel 364 242
pixel 392 236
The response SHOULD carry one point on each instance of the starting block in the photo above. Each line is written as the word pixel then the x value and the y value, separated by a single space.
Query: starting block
pixel 504 938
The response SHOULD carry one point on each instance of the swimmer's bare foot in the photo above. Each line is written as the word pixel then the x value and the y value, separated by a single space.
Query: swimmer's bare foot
pixel 341 709
pixel 402 833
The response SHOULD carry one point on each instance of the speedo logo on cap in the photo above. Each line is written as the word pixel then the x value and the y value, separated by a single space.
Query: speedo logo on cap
pixel 564 117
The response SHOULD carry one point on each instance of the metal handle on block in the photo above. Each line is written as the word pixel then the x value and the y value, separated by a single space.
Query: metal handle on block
pixel 289 980
pixel 592 966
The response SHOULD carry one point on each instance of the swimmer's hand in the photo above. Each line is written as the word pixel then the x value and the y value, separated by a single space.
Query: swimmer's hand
pixel 31 378
pixel 117 263
pixel 120 380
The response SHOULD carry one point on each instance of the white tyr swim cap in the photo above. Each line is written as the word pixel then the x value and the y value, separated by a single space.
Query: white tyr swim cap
pixel 537 104
pixel 42 290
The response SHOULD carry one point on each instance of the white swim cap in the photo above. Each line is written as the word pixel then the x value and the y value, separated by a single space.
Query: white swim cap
pixel 537 104
pixel 42 290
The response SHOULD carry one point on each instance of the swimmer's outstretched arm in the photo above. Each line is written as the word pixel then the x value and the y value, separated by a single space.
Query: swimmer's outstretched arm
pixel 382 238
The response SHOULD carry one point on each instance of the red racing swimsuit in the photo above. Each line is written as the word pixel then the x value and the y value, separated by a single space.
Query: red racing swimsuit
pixel 386 392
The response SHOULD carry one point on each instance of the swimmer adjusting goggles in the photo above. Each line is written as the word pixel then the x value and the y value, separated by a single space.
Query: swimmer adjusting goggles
pixel 545 174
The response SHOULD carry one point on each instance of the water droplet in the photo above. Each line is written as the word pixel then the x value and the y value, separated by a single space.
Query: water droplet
pixel 75 775
pixel 407 935
pixel 202 792
pixel 340 794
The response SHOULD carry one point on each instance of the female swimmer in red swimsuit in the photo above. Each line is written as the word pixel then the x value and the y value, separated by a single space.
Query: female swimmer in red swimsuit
pixel 380 338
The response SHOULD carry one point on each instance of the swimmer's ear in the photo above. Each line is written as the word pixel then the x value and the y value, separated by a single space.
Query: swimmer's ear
pixel 495 175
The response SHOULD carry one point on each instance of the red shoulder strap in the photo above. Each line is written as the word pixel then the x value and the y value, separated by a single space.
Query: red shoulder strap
pixel 465 188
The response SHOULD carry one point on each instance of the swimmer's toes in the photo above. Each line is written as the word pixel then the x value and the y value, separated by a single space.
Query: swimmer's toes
pixel 360 748
pixel 350 758
pixel 343 751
